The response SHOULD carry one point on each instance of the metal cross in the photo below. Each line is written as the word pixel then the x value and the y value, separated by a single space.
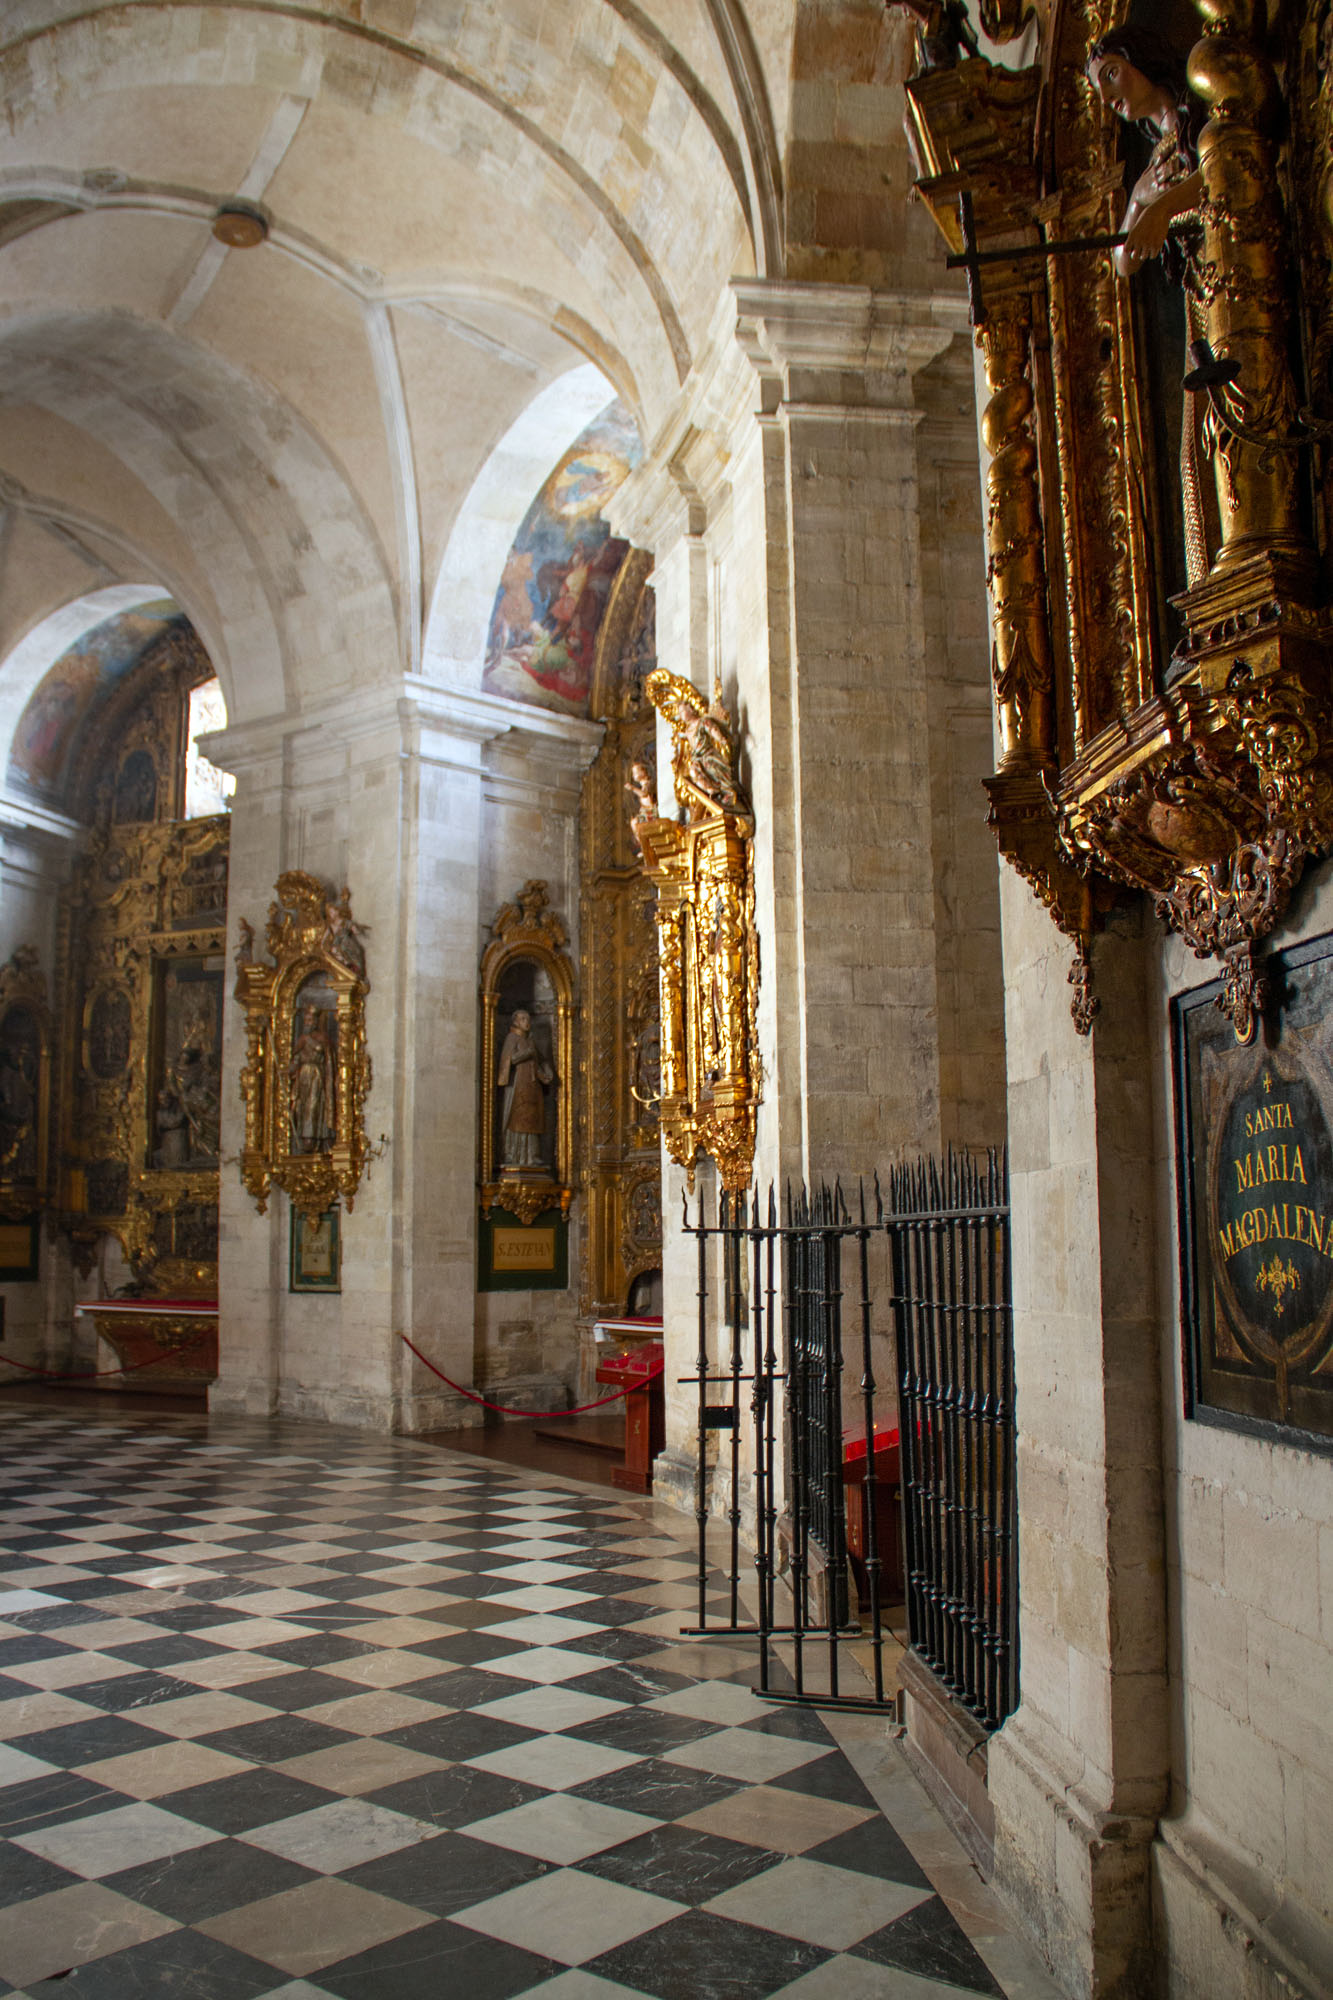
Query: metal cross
pixel 973 257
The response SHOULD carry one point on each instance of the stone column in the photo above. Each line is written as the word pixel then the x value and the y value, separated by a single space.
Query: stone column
pixel 1078 1774
pixel 853 905
pixel 37 847
pixel 252 1280
pixel 383 793
pixel 781 510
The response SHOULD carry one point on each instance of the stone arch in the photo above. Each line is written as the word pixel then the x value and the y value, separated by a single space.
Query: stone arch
pixel 302 584
pixel 484 530
pixel 27 663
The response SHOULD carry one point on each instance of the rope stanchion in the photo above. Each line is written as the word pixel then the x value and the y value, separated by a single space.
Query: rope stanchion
pixel 95 1374
pixel 502 1410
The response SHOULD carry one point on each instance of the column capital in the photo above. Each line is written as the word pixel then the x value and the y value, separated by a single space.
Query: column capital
pixel 845 349
pixel 412 716
pixel 685 474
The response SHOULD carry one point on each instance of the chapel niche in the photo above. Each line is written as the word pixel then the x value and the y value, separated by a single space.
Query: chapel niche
pixel 139 974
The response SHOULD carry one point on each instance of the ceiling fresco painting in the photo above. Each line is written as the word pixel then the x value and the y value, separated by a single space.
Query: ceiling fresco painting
pixel 559 572
pixel 80 678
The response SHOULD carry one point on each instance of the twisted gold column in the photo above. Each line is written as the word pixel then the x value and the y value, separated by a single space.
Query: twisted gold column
pixel 1243 287
pixel 1015 570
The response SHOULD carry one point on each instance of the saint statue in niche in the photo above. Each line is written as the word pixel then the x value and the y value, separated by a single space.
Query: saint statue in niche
pixel 109 1034
pixel 187 1097
pixel 20 1057
pixel 311 1100
pixel 523 1074
pixel 173 1131
pixel 193 1078
pixel 1139 76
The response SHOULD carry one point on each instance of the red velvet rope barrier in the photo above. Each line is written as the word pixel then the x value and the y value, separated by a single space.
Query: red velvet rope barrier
pixel 503 1411
pixel 93 1374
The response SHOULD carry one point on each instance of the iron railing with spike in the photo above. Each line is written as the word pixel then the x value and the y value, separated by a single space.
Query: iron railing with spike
pixel 783 1285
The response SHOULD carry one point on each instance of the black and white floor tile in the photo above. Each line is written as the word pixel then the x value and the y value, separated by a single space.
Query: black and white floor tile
pixel 289 1712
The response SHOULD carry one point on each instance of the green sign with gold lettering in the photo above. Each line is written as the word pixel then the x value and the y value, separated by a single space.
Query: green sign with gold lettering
pixel 1255 1137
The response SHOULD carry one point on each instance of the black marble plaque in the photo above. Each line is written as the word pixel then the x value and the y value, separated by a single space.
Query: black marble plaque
pixel 1255 1161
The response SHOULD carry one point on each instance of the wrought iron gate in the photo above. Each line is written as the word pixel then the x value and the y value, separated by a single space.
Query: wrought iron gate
pixel 949 1228
pixel 790 1330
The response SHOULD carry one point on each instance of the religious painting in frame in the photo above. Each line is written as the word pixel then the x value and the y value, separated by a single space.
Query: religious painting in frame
pixel 20 1250
pixel 1254 1126
pixel 316 1252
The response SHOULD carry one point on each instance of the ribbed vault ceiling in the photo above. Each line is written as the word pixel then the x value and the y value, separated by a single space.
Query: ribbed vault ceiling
pixel 466 200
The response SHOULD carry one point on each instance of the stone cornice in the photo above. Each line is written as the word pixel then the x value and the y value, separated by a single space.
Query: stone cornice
pixel 412 708
pixel 807 352
pixel 672 493
pixel 42 825
pixel 840 347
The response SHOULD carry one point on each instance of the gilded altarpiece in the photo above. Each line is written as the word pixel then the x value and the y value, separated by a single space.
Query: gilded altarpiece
pixel 1148 243
pixel 139 978
pixel 619 1052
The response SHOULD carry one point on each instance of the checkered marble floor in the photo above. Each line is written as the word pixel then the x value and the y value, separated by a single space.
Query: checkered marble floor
pixel 287 1711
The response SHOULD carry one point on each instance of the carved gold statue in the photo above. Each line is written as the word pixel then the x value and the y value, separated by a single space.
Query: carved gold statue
pixel 307 1069
pixel 642 787
pixel 708 951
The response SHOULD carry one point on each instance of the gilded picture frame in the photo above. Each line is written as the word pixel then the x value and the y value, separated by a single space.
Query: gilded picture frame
pixel 20 1250
pixel 315 1257
pixel 307 1071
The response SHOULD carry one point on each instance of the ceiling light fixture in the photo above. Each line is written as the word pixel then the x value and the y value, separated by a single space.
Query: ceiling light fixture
pixel 240 225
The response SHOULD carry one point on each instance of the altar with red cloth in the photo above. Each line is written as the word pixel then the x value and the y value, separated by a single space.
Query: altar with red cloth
pixel 162 1344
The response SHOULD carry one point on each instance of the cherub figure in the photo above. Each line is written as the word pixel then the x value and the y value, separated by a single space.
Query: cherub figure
pixel 642 787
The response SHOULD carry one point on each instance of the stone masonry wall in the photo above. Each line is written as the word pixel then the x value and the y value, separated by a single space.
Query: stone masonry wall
pixel 1246 1845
